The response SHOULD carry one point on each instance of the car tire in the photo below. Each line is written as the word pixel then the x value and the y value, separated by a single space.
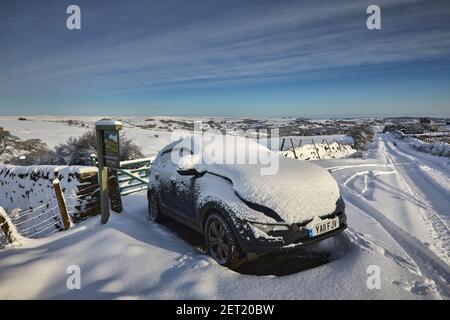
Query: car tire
pixel 221 243
pixel 154 209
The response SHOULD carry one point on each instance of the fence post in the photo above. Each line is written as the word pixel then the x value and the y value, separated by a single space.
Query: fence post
pixel 317 150
pixel 293 149
pixel 282 144
pixel 93 159
pixel 339 144
pixel 8 227
pixel 4 226
pixel 114 191
pixel 326 141
pixel 61 204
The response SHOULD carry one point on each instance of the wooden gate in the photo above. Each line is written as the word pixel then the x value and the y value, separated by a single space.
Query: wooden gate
pixel 133 175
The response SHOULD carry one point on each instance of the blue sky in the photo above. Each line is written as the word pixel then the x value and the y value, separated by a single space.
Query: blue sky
pixel 249 58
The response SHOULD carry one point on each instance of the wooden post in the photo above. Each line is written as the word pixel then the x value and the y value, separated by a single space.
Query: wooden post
pixel 317 150
pixel 4 226
pixel 282 144
pixel 93 159
pixel 114 191
pixel 108 156
pixel 7 227
pixel 102 179
pixel 61 204
pixel 293 149
pixel 326 141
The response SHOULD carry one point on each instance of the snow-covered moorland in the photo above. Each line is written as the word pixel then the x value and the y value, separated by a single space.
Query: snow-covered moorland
pixel 152 134
pixel 398 212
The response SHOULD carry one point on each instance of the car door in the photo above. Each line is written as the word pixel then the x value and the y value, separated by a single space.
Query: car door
pixel 176 191
pixel 165 175
pixel 184 195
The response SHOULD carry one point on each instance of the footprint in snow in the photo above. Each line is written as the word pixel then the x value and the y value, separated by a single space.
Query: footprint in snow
pixel 369 245
pixel 191 262
pixel 416 287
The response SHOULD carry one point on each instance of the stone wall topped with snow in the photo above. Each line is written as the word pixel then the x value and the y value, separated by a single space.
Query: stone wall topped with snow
pixel 30 188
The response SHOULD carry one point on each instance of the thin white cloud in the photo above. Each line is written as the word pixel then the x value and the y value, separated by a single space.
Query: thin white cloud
pixel 269 42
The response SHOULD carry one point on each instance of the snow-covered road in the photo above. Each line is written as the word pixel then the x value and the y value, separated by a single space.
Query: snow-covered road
pixel 398 212
pixel 408 194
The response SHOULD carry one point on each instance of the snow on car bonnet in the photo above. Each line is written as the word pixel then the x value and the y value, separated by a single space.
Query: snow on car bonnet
pixel 297 190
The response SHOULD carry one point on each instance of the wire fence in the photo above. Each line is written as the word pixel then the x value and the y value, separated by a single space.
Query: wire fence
pixel 314 149
pixel 39 221
pixel 289 143
pixel 45 219
pixel 42 201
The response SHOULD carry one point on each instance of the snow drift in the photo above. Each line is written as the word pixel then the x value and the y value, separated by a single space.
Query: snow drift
pixel 437 148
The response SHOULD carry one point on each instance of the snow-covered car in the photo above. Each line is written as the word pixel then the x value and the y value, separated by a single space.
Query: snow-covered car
pixel 238 209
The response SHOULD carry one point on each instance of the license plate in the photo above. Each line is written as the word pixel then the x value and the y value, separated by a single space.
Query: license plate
pixel 323 227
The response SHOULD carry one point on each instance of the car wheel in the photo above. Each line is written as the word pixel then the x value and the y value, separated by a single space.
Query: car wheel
pixel 154 209
pixel 221 243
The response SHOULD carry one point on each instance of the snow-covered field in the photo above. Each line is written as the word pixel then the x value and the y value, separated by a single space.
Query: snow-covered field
pixel 398 207
pixel 55 130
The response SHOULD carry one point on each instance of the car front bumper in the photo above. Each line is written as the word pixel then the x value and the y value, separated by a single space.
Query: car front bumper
pixel 297 238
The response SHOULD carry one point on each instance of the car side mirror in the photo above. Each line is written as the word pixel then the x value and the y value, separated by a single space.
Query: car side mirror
pixel 188 172
pixel 186 166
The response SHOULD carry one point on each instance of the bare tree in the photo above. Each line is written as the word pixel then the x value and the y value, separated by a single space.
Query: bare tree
pixel 362 135
pixel 77 151
pixel 8 143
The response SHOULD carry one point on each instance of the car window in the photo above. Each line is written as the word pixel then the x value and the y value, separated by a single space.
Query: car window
pixel 165 159
pixel 166 153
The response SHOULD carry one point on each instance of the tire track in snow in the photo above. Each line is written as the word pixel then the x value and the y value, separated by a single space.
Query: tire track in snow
pixel 366 242
pixel 430 160
pixel 424 188
pixel 428 263
pixel 369 187
pixel 419 178
pixel 350 166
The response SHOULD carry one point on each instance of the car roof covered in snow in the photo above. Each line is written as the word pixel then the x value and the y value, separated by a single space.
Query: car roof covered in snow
pixel 296 190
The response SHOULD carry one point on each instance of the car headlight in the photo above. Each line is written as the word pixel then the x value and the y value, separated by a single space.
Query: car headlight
pixel 270 228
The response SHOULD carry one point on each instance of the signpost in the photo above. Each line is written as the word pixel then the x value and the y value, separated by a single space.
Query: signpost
pixel 108 157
